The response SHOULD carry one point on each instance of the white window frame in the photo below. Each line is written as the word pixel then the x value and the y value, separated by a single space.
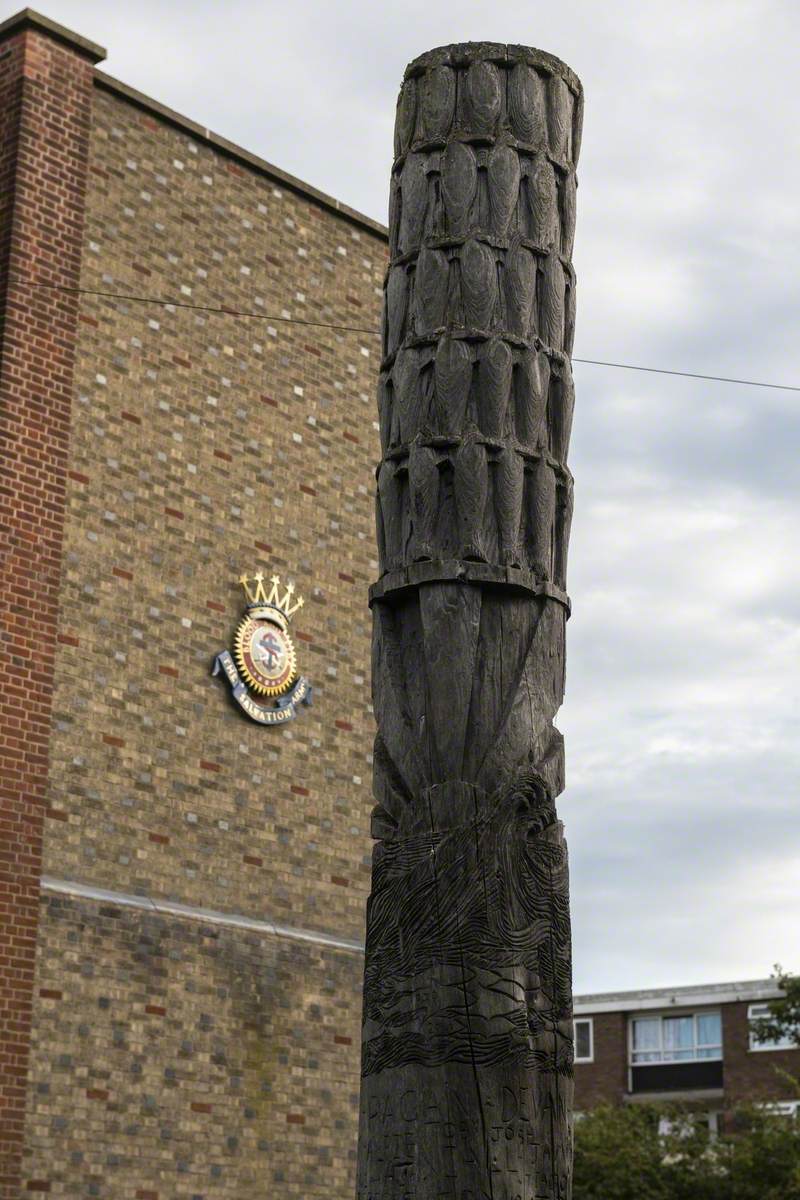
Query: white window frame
pixel 585 1021
pixel 782 1108
pixel 682 1126
pixel 759 1047
pixel 661 1017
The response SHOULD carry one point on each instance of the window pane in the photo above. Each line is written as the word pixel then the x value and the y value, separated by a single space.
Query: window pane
pixel 784 1042
pixel 647 1033
pixel 709 1029
pixel 647 1039
pixel 583 1039
pixel 678 1036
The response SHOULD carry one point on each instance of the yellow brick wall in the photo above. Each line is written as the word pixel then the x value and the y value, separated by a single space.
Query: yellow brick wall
pixel 204 446
pixel 178 1060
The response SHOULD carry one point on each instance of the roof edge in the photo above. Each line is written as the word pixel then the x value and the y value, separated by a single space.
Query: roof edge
pixel 702 994
pixel 28 18
pixel 202 134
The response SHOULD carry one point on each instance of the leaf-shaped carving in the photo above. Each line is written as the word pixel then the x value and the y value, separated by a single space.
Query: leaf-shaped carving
pixel 459 184
pixel 470 488
pixel 406 117
pixel 541 505
pixel 395 207
pixel 577 127
pixel 396 307
pixel 437 104
pixel 391 515
pixel 542 202
pixel 503 179
pixel 561 405
pixel 531 385
pixel 481 97
pixel 559 116
pixel 414 202
pixel 564 506
pixel 385 405
pixel 423 480
pixel 526 107
pixel 508 506
pixel 569 312
pixel 519 287
pixel 551 317
pixel 453 376
pixel 494 377
pixel 407 394
pixel 427 394
pixel 430 290
pixel 478 284
pixel 380 535
pixel 568 213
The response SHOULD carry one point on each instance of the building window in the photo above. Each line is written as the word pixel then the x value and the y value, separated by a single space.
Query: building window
pixel 584 1040
pixel 683 1125
pixel 786 1042
pixel 686 1038
pixel 782 1108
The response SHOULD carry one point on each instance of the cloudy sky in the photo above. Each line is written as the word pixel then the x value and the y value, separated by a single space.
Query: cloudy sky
pixel 683 805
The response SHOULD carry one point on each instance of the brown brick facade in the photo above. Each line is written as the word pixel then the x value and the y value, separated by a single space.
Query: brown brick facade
pixel 605 1080
pixel 45 102
pixel 187 1060
pixel 156 452
pixel 206 445
pixel 755 1075
pixel 747 1076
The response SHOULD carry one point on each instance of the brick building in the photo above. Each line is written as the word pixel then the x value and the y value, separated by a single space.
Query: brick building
pixel 692 1045
pixel 181 890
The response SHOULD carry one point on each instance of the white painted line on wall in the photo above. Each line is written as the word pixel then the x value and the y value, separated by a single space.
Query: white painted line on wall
pixel 171 908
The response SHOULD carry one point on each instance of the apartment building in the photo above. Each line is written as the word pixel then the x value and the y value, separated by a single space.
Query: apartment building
pixel 689 1045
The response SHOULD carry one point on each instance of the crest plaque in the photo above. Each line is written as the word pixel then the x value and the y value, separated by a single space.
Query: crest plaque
pixel 262 670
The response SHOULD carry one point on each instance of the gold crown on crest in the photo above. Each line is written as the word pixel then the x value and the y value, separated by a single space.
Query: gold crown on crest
pixel 273 598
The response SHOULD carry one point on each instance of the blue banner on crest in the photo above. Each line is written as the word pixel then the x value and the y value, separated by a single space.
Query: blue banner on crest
pixel 285 708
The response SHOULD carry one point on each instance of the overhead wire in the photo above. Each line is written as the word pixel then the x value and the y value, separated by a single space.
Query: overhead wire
pixel 221 310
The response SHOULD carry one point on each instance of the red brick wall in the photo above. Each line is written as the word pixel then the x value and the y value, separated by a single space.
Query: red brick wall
pixel 606 1079
pixel 754 1074
pixel 45 102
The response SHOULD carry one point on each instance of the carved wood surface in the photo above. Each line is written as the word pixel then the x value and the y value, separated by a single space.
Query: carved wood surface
pixel 467 1034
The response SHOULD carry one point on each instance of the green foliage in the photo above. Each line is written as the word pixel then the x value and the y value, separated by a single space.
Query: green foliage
pixel 784 1018
pixel 620 1155
pixel 763 1158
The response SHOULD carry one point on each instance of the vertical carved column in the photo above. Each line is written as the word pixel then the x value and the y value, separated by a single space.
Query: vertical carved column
pixel 467 1034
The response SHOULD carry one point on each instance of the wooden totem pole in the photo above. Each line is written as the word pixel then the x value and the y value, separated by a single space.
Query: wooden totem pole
pixel 467 1033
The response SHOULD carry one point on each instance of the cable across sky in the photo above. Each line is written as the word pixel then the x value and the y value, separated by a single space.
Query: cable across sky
pixel 372 332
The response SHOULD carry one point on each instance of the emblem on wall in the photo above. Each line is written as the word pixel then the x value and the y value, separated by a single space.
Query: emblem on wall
pixel 262 670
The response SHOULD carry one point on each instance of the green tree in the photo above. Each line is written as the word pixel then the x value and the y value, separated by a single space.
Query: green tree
pixel 784 1013
pixel 618 1155
pixel 621 1155
pixel 762 1157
